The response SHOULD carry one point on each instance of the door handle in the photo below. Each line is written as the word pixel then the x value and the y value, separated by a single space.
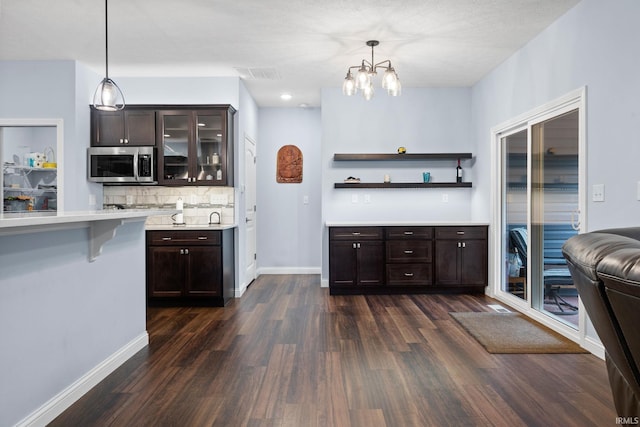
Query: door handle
pixel 575 224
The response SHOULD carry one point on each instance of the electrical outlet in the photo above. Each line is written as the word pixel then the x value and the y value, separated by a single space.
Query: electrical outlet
pixel 354 198
pixel 367 198
pixel 92 199
pixel 597 194
pixel 445 198
pixel 305 200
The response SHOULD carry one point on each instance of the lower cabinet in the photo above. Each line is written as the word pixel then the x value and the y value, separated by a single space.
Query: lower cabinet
pixel 190 266
pixel 416 259
pixel 356 257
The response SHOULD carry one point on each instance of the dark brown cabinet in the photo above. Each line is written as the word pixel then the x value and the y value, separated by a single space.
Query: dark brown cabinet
pixel 195 145
pixel 190 266
pixel 399 259
pixel 409 253
pixel 131 126
pixel 356 257
pixel 461 256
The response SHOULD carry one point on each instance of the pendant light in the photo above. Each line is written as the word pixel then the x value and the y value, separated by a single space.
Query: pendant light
pixel 108 96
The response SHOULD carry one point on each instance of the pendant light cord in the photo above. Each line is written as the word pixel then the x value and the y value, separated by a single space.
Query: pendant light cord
pixel 106 37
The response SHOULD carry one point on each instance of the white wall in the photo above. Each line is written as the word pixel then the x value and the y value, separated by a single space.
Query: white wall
pixel 589 46
pixel 289 231
pixel 424 120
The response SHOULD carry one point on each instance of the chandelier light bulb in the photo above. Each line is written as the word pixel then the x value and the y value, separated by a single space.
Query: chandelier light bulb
pixel 389 78
pixel 368 91
pixel 395 89
pixel 349 85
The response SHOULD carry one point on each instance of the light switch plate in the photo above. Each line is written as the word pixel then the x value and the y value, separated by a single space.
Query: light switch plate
pixel 597 194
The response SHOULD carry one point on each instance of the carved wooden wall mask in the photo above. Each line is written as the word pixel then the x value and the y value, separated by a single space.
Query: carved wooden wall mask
pixel 289 165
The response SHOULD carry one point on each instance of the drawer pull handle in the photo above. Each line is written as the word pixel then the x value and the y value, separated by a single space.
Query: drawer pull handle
pixel 202 237
pixel 166 238
pixel 408 233
pixel 408 274
pixel 408 252
pixel 460 232
pixel 355 233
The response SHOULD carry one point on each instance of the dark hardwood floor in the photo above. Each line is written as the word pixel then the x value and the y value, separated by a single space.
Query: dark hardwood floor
pixel 288 354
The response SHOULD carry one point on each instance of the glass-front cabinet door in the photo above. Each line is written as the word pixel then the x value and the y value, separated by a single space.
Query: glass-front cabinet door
pixel 195 146
pixel 174 150
pixel 210 134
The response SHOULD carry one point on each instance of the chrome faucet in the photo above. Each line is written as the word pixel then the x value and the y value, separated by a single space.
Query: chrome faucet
pixel 211 214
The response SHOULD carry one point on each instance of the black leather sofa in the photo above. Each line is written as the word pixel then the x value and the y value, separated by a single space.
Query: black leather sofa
pixel 605 266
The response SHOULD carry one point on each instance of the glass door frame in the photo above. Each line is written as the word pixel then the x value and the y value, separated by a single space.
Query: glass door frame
pixel 575 100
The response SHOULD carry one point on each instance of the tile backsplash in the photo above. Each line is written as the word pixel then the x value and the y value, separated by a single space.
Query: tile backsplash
pixel 199 202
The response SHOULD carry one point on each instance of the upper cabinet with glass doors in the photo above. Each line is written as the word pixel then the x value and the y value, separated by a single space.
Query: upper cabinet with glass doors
pixel 195 145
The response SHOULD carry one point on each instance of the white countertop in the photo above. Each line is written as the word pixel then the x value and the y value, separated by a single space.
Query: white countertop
pixel 164 227
pixel 9 221
pixel 402 223
pixel 102 224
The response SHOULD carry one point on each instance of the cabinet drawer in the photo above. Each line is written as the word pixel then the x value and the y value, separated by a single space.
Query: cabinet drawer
pixel 409 251
pixel 479 232
pixel 356 233
pixel 408 233
pixel 183 237
pixel 409 274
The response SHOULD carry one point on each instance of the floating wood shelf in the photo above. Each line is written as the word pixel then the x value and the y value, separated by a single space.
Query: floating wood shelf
pixel 403 185
pixel 402 157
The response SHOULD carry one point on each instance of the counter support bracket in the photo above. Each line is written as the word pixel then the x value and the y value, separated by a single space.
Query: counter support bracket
pixel 100 232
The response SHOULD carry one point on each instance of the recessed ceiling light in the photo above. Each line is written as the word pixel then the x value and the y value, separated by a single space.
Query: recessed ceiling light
pixel 286 96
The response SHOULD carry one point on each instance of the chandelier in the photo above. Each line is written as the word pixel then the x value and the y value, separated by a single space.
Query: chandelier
pixel 365 73
pixel 108 96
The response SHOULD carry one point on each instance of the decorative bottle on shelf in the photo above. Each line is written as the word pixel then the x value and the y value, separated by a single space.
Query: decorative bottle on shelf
pixel 459 172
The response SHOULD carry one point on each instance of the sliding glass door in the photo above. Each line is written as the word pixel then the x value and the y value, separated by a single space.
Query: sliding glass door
pixel 539 212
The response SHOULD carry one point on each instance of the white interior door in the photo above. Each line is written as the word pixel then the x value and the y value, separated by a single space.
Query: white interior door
pixel 250 208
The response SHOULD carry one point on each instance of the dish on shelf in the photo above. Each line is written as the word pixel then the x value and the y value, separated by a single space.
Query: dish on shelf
pixel 352 180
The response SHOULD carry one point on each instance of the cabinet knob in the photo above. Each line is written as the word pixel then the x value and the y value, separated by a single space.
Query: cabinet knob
pixel 459 244
pixel 181 251
pixel 186 251
pixel 126 141
pixel 464 245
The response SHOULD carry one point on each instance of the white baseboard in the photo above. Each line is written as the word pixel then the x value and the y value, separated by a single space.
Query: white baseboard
pixel 288 270
pixel 595 347
pixel 67 397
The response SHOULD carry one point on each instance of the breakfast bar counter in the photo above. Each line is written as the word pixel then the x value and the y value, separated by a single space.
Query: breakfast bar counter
pixel 102 224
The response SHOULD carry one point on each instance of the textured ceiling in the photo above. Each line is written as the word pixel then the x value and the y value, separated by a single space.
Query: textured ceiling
pixel 278 45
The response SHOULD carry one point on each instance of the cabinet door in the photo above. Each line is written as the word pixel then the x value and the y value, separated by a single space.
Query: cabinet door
pixel 204 271
pixel 474 262
pixel 174 128
pixel 461 262
pixel 107 128
pixel 140 126
pixel 370 263
pixel 132 126
pixel 211 148
pixel 447 262
pixel 342 263
pixel 165 271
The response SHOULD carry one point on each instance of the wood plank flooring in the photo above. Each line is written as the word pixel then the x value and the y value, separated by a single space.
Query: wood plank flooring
pixel 288 354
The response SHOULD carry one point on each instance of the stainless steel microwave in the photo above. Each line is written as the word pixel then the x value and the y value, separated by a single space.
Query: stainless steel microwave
pixel 122 165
